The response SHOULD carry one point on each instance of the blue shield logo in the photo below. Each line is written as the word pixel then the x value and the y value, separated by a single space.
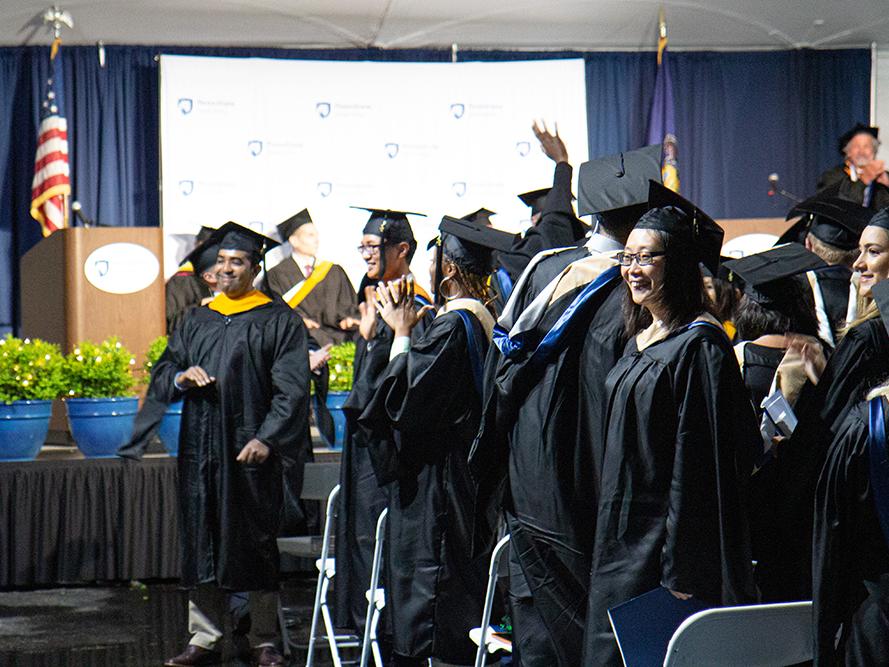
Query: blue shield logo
pixel 255 147
pixel 186 187
pixel 325 188
pixel 323 109
pixel 391 150
pixel 523 147
pixel 457 110
pixel 102 267
pixel 459 188
pixel 185 105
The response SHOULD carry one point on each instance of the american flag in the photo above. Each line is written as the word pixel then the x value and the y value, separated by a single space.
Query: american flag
pixel 51 186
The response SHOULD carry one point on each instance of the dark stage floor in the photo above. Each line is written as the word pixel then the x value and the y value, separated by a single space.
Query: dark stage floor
pixel 119 625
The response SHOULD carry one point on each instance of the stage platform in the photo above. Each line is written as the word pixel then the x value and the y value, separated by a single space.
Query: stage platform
pixel 66 520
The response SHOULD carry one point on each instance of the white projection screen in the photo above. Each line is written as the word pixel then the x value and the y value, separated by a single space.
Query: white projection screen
pixel 256 140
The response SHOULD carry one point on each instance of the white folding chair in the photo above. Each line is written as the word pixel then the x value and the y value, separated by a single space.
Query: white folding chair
pixel 326 566
pixel 762 635
pixel 376 598
pixel 484 635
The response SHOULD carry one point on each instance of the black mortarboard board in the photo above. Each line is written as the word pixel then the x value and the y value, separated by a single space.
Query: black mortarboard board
pixel 880 294
pixel 859 128
pixel 291 224
pixel 481 216
pixel 881 219
pixel 764 273
pixel 389 225
pixel 232 236
pixel 203 256
pixel 203 234
pixel 618 181
pixel 672 213
pixel 722 274
pixel 535 199
pixel 471 245
pixel 836 221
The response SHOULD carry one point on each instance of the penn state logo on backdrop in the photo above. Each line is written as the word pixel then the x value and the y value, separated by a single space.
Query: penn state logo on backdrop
pixel 325 188
pixel 523 148
pixel 185 105
pixel 459 188
pixel 186 187
pixel 323 109
pixel 457 110
pixel 255 147
pixel 391 150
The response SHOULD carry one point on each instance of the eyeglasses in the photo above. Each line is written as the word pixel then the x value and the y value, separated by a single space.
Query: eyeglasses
pixel 369 250
pixel 644 258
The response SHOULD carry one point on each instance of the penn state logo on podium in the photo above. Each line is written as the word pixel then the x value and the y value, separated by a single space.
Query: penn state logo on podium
pixel 121 268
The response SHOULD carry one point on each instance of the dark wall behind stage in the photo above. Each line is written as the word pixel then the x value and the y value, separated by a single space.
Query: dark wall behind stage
pixel 739 117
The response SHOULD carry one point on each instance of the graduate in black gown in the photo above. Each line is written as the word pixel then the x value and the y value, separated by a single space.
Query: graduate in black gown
pixel 387 246
pixel 776 320
pixel 543 382
pixel 241 365
pixel 830 227
pixel 679 434
pixel 430 397
pixel 850 564
pixel 860 362
pixel 319 290
pixel 552 226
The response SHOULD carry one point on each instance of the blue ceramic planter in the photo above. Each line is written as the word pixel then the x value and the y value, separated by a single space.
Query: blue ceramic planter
pixel 169 428
pixel 335 401
pixel 101 425
pixel 23 429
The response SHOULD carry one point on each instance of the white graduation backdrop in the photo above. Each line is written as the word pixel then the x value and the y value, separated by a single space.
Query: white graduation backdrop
pixel 256 140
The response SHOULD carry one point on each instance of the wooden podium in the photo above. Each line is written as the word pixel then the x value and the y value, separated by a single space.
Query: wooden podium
pixel 88 284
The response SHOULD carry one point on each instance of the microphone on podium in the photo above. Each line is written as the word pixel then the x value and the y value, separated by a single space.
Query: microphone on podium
pixel 773 184
pixel 774 189
pixel 77 209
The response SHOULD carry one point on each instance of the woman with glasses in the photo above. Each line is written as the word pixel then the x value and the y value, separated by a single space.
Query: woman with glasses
pixel 679 434
pixel 430 398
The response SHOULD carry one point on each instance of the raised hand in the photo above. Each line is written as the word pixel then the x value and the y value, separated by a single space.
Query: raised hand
pixel 551 144
pixel 367 326
pixel 395 303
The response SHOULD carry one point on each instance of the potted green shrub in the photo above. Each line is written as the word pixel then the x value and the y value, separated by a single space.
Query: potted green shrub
pixel 30 378
pixel 168 431
pixel 342 357
pixel 100 399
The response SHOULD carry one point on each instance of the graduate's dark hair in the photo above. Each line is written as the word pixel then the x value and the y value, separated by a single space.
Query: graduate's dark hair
pixel 475 285
pixel 794 313
pixel 726 299
pixel 681 294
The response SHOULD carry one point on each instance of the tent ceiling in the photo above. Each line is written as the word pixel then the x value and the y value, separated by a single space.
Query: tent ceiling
pixel 547 24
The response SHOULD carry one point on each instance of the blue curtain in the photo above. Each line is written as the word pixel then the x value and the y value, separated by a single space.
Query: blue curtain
pixel 740 116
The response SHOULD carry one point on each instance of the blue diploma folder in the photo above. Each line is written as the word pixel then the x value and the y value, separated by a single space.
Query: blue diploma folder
pixel 644 625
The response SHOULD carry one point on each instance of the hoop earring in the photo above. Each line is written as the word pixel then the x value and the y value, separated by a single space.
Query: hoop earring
pixel 447 296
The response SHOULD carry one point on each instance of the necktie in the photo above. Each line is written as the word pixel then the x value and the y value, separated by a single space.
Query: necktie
pixel 307 270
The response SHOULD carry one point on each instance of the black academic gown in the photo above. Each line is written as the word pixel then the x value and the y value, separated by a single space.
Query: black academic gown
pixel 329 302
pixel 230 512
pixel 859 363
pixel 853 191
pixel 534 424
pixel 672 511
pixel 362 497
pixel 558 227
pixel 183 292
pixel 850 566
pixel 834 282
pixel 434 587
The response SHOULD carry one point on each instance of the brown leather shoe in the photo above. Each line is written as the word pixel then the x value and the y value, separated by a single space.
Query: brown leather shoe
pixel 267 656
pixel 194 655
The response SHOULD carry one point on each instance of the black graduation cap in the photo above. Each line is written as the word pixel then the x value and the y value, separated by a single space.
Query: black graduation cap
pixel 232 236
pixel 859 128
pixel 880 295
pixel 392 226
pixel 204 233
pixel 291 224
pixel 672 213
pixel 881 219
pixel 616 186
pixel 764 273
pixel 470 245
pixel 203 257
pixel 834 220
pixel 481 216
pixel 535 199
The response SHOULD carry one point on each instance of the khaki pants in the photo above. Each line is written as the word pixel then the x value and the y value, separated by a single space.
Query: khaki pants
pixel 207 609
